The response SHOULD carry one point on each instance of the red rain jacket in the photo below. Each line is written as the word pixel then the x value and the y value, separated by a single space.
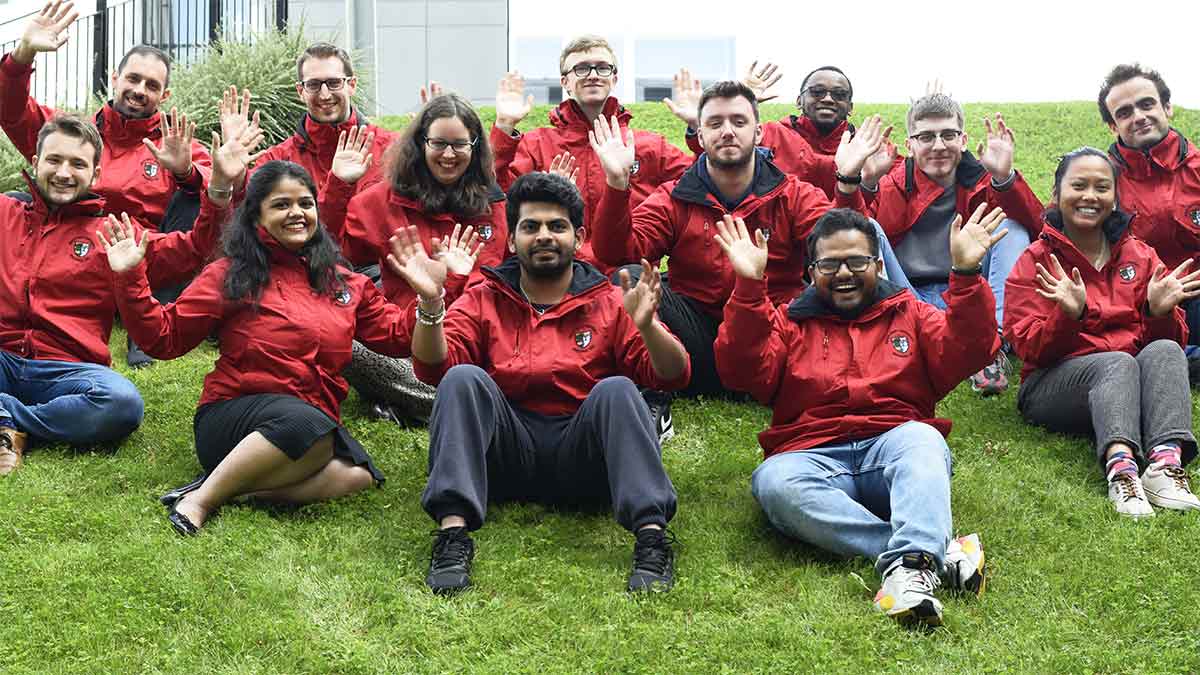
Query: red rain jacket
pixel 1115 319
pixel 1162 186
pixel 295 342
pixel 130 179
pixel 546 363
pixel 832 380
pixel 678 220
pixel 56 298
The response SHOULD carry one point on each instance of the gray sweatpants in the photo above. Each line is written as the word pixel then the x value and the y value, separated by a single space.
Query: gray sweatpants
pixel 1141 401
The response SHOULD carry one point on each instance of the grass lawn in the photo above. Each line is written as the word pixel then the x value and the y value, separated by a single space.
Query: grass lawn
pixel 95 581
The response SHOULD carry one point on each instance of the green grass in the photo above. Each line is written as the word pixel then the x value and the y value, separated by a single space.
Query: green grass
pixel 95 581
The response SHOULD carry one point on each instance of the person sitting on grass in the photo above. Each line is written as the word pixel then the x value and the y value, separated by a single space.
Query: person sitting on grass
pixel 916 202
pixel 1102 345
pixel 537 371
pixel 285 313
pixel 56 300
pixel 854 460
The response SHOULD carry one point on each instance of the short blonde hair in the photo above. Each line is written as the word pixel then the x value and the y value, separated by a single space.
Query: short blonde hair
pixel 583 43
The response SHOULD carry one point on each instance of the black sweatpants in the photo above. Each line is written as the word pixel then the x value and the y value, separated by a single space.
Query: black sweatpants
pixel 483 448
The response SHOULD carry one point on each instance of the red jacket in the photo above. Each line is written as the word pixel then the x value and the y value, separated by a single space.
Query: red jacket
pixel 678 221
pixel 130 179
pixel 546 363
pixel 295 342
pixel 790 147
pixel 906 192
pixel 832 380
pixel 1115 319
pixel 313 145
pixel 656 159
pixel 1162 186
pixel 364 227
pixel 56 299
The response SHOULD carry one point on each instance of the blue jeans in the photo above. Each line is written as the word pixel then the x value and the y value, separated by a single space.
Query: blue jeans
pixel 62 401
pixel 996 266
pixel 878 497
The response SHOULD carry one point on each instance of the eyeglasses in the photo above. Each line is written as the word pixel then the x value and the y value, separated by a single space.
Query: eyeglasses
pixel 459 147
pixel 333 84
pixel 855 263
pixel 819 93
pixel 602 69
pixel 948 136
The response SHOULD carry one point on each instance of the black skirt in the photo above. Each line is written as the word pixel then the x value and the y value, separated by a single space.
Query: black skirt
pixel 287 422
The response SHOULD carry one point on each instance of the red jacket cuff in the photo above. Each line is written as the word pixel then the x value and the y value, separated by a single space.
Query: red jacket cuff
pixel 10 67
pixel 749 291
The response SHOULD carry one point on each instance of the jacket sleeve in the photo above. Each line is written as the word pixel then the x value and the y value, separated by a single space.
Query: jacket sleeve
pixel 21 117
pixel 333 204
pixel 173 257
pixel 174 330
pixel 382 326
pixel 672 161
pixel 692 137
pixel 511 156
pixel 464 333
pixel 889 208
pixel 634 357
pixel 363 220
pixel 1174 325
pixel 1036 327
pixel 201 172
pixel 621 234
pixel 751 349
pixel 964 338
pixel 1018 202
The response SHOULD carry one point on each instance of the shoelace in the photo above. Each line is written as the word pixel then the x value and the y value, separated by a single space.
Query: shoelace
pixel 450 549
pixel 6 443
pixel 926 580
pixel 1127 487
pixel 1179 476
pixel 652 553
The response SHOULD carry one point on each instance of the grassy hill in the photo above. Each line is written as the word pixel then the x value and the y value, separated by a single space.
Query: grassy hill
pixel 95 580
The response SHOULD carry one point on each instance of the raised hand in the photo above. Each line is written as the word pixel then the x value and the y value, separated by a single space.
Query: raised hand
pixel 353 156
pixel 231 158
pixel 853 153
pixel 1068 291
pixel 762 79
pixel 641 301
pixel 458 252
pixel 1165 291
pixel 427 94
pixel 685 98
pixel 996 149
pixel 748 258
pixel 879 164
pixel 564 165
pixel 615 152
pixel 935 86
pixel 512 105
pixel 234 112
pixel 121 244
pixel 970 242
pixel 425 275
pixel 174 153
pixel 46 31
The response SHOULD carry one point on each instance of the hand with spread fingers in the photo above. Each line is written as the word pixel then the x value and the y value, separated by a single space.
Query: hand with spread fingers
pixel 1166 290
pixel 642 300
pixel 969 243
pixel 748 257
pixel 1068 291
pixel 234 112
pixel 230 160
pixel 512 105
pixel 174 152
pixel 353 156
pixel 408 259
pixel 459 252
pixel 854 151
pixel 46 31
pixel 430 92
pixel 685 98
pixel 565 165
pixel 614 149
pixel 996 149
pixel 124 250
pixel 879 164
pixel 761 79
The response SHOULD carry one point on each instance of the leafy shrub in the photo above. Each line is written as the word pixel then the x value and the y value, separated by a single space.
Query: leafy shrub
pixel 11 163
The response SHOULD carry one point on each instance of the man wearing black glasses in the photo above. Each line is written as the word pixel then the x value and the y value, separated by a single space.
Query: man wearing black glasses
pixel 589 73
pixel 942 180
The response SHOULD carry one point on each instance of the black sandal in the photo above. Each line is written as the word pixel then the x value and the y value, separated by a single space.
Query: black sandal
pixel 182 524
pixel 172 498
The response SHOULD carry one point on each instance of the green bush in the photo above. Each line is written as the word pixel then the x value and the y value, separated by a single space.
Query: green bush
pixel 11 163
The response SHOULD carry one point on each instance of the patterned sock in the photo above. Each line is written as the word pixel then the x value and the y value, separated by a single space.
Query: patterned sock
pixel 1167 454
pixel 1120 462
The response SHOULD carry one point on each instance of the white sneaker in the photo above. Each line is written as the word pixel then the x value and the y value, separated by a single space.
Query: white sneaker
pixel 1125 492
pixel 1167 487
pixel 906 594
pixel 965 567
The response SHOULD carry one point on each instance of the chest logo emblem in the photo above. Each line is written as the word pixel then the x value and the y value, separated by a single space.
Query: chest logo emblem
pixel 485 232
pixel 634 169
pixel 583 338
pixel 149 169
pixel 901 343
pixel 342 297
pixel 1127 273
pixel 80 248
pixel 1196 217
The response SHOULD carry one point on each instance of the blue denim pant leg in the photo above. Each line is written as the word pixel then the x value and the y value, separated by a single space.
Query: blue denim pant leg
pixel 999 261
pixel 62 401
pixel 891 265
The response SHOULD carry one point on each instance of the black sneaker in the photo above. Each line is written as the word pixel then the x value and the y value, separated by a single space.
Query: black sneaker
pixel 450 562
pixel 660 412
pixel 653 561
pixel 135 357
pixel 1194 371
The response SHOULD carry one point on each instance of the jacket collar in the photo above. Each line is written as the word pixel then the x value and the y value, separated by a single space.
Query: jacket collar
pixel 91 205
pixel 809 305
pixel 568 116
pixel 324 136
pixel 584 279
pixel 827 143
pixel 967 175
pixel 495 194
pixel 1168 154
pixel 1116 228
pixel 691 187
pixel 280 255
pixel 119 129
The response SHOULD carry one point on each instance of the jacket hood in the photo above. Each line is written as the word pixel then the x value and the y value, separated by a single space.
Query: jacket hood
pixel 119 129
pixel 90 205
pixel 569 116
pixel 584 279
pixel 691 188
pixel 1116 228
pixel 810 305
pixel 1170 153
pixel 967 175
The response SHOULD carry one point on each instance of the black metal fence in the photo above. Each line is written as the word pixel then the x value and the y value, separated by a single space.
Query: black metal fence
pixel 80 69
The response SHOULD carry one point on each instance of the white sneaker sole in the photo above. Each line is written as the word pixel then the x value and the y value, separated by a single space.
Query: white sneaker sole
pixel 1164 502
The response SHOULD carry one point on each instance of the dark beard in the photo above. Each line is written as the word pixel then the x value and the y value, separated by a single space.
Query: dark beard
pixel 546 271
pixel 119 106
pixel 732 163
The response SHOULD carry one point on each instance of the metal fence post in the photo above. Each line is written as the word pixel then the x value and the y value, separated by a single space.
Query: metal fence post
pixel 281 14
pixel 214 20
pixel 100 50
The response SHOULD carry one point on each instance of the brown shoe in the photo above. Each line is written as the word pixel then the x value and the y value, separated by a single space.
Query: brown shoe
pixel 12 449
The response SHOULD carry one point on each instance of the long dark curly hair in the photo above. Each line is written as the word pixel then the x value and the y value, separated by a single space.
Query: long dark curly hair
pixel 250 261
pixel 410 175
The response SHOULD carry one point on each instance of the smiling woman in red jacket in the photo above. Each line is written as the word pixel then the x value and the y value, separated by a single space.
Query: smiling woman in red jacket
pixel 285 313
pixel 1102 344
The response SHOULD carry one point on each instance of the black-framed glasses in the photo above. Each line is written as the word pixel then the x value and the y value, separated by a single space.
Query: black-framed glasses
pixel 818 93
pixel 948 136
pixel 459 147
pixel 585 69
pixel 855 263
pixel 332 83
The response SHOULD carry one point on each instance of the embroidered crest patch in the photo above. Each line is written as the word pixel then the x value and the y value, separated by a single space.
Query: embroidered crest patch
pixel 583 338
pixel 634 169
pixel 149 169
pixel 900 343
pixel 1195 215
pixel 1127 273
pixel 485 232
pixel 80 248
pixel 342 297
pixel 766 233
